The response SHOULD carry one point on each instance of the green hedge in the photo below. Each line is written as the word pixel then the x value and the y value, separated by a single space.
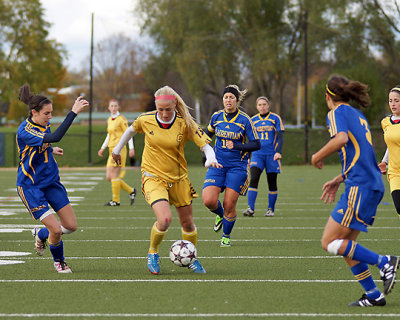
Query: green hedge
pixel 76 144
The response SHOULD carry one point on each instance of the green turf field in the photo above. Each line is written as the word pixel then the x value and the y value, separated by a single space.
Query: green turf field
pixel 275 268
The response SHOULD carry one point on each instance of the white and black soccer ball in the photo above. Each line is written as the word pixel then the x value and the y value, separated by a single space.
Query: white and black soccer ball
pixel 183 253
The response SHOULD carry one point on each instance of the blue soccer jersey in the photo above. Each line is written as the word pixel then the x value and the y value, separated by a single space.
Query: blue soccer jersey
pixel 37 166
pixel 357 156
pixel 237 130
pixel 267 128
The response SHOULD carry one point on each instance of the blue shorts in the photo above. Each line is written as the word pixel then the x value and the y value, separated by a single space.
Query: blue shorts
pixel 233 178
pixel 37 199
pixel 356 208
pixel 266 162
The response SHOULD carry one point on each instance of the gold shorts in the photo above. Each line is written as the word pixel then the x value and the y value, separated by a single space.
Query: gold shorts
pixel 178 194
pixel 111 162
pixel 394 182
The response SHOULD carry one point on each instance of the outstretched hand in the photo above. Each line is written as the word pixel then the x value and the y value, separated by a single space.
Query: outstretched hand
pixel 80 104
pixel 330 189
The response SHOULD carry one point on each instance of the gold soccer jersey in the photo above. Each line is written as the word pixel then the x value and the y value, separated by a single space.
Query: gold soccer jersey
pixel 115 128
pixel 391 133
pixel 163 154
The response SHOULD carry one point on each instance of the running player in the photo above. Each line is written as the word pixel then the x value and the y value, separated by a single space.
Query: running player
pixel 356 209
pixel 270 129
pixel 116 126
pixel 232 128
pixel 391 132
pixel 165 179
pixel 38 179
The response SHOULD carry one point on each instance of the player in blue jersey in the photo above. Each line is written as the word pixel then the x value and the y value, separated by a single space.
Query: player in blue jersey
pixel 236 137
pixel 364 189
pixel 270 129
pixel 38 179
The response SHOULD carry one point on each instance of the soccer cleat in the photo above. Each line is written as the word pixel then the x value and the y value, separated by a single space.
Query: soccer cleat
pixel 153 263
pixel 61 267
pixel 39 244
pixel 132 196
pixel 269 213
pixel 388 273
pixel 112 203
pixel 364 301
pixel 197 267
pixel 225 242
pixel 218 223
pixel 248 213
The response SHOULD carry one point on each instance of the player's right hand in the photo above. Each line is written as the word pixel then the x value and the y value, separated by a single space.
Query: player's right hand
pixel 117 158
pixel 383 167
pixel 79 104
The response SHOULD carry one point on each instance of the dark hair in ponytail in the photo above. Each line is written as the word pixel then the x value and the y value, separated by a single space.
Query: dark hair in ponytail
pixel 34 102
pixel 340 88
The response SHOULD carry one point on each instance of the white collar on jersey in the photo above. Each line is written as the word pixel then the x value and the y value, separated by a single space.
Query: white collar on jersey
pixel 169 122
pixel 114 115
pixel 393 117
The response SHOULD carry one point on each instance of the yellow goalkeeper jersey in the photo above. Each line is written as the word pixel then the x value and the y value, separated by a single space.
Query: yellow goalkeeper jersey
pixel 115 128
pixel 163 154
pixel 391 134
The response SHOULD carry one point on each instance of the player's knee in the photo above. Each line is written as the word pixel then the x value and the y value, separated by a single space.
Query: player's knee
pixel 55 233
pixel 188 226
pixel 210 203
pixel 164 224
pixel 333 246
pixel 70 229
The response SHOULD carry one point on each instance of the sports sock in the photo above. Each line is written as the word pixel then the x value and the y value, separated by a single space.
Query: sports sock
pixel 363 276
pixel 355 251
pixel 156 237
pixel 116 189
pixel 220 210
pixel 190 236
pixel 227 226
pixel 43 234
pixel 251 197
pixel 272 196
pixel 126 187
pixel 57 250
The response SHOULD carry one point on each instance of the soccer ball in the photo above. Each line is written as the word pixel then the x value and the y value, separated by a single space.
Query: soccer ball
pixel 183 253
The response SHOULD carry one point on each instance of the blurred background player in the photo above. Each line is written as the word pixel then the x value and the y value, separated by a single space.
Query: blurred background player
pixel 391 133
pixel 165 179
pixel 38 179
pixel 270 129
pixel 364 189
pixel 116 126
pixel 232 128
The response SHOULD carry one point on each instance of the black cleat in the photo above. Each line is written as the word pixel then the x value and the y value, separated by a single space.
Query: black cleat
pixel 132 196
pixel 388 273
pixel 364 301
pixel 112 203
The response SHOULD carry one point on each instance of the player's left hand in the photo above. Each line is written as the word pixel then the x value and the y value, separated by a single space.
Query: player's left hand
pixel 330 189
pixel 229 144
pixel 131 153
pixel 58 151
pixel 213 164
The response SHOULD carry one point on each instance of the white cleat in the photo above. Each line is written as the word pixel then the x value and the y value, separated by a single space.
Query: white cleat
pixel 61 267
pixel 39 244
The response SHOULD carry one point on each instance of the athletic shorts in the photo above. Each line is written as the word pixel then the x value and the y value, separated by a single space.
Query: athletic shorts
pixel 394 182
pixel 356 208
pixel 112 163
pixel 233 178
pixel 37 199
pixel 266 162
pixel 178 194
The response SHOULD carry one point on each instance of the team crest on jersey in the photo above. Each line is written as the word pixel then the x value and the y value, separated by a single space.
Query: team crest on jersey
pixel 151 132
pixel 44 147
pixel 179 137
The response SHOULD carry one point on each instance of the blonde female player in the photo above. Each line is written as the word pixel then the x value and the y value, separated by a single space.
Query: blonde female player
pixel 391 133
pixel 364 189
pixel 116 126
pixel 165 179
pixel 38 178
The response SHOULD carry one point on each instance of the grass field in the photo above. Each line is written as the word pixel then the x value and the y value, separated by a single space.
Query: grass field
pixel 275 268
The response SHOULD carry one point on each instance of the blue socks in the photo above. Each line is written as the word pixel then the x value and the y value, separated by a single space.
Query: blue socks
pixel 272 196
pixel 357 252
pixel 363 276
pixel 57 250
pixel 227 226
pixel 220 210
pixel 251 197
